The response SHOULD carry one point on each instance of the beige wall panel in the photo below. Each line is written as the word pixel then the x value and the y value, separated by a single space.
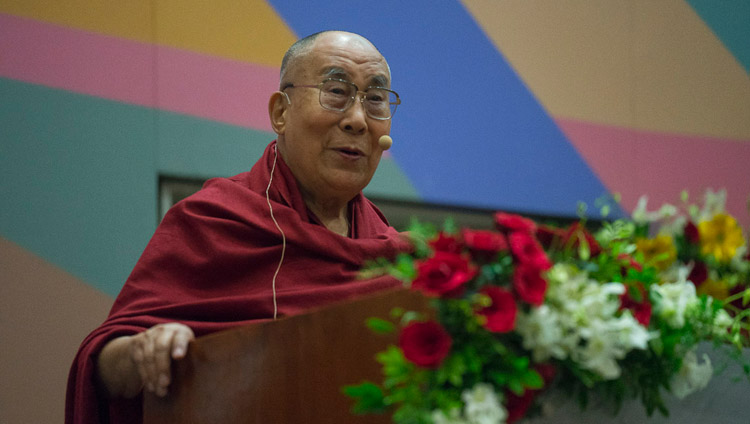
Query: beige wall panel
pixel 650 65
pixel 44 315
pixel 686 81
pixel 551 47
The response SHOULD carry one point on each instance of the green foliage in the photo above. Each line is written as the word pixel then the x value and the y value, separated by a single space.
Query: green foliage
pixel 368 396
pixel 380 326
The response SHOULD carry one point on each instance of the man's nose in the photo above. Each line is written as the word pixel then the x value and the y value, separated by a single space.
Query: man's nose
pixel 355 118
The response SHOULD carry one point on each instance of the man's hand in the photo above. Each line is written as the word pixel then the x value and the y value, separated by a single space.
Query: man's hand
pixel 129 364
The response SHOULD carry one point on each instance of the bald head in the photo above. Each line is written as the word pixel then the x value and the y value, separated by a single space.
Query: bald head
pixel 297 54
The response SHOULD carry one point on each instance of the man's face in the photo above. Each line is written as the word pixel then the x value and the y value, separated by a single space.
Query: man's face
pixel 333 155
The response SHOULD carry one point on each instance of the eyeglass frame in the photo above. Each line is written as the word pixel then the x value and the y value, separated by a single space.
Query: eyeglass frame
pixel 352 99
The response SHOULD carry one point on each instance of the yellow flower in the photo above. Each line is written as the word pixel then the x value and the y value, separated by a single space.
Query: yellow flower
pixel 720 237
pixel 716 289
pixel 659 251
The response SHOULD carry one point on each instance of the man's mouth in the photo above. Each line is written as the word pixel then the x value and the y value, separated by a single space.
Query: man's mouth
pixel 350 153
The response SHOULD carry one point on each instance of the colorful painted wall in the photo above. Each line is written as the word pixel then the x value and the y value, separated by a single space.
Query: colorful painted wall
pixel 527 106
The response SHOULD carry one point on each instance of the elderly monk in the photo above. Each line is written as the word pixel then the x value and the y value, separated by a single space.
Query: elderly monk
pixel 288 235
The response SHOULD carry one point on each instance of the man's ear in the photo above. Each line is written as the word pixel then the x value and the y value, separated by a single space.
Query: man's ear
pixel 278 105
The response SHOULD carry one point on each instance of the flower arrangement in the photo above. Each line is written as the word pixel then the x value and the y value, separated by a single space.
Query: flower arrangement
pixel 618 313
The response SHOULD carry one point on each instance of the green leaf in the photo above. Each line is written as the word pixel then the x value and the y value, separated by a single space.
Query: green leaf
pixel 520 363
pixel 532 380
pixel 380 326
pixel 452 370
pixel 369 398
pixel 516 386
pixel 584 251
pixel 449 225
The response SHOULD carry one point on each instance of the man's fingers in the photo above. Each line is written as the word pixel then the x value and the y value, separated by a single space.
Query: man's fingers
pixel 182 337
pixel 152 352
pixel 162 360
pixel 137 355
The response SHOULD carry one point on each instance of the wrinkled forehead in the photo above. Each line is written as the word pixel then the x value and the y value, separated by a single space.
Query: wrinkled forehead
pixel 380 79
pixel 348 57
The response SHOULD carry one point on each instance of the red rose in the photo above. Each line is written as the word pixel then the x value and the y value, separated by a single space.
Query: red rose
pixel 641 309
pixel 692 235
pixel 501 314
pixel 529 284
pixel 527 250
pixel 547 371
pixel 699 274
pixel 483 241
pixel 510 223
pixel 425 344
pixel 446 243
pixel 444 274
pixel 629 263
pixel 575 233
pixel 518 405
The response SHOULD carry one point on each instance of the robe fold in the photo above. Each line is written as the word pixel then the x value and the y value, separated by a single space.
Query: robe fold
pixel 210 265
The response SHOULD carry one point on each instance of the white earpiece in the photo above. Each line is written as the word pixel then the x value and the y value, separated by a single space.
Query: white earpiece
pixel 385 142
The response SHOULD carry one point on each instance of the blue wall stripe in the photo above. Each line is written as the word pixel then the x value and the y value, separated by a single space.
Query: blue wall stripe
pixel 468 132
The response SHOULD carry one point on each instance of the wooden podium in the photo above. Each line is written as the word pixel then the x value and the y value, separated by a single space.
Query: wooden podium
pixel 286 371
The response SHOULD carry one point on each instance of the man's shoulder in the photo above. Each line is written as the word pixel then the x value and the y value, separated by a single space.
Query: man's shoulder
pixel 220 193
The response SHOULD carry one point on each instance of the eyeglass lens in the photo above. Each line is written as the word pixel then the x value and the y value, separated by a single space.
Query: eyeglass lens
pixel 338 95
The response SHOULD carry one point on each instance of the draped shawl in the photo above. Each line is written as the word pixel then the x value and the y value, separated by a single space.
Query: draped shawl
pixel 210 266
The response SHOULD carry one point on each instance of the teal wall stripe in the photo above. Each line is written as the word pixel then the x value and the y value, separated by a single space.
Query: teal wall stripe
pixel 80 173
pixel 730 21
pixel 196 147
pixel 78 187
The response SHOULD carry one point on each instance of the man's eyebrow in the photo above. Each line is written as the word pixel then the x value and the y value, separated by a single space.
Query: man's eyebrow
pixel 335 72
pixel 379 81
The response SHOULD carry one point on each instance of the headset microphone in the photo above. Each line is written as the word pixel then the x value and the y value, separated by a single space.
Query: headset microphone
pixel 385 142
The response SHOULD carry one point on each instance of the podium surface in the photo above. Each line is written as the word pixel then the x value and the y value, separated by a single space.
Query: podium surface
pixel 285 371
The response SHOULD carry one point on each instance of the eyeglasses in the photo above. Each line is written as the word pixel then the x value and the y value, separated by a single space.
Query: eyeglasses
pixel 339 95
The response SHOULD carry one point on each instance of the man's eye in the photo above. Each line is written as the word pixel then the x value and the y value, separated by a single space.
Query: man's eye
pixel 375 97
pixel 337 91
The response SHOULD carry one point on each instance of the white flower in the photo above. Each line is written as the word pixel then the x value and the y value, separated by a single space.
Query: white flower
pixel 739 264
pixel 581 320
pixel 541 332
pixel 673 300
pixel 482 405
pixel 631 334
pixel 692 375
pixel 713 203
pixel 721 323
pixel 608 340
pixel 642 216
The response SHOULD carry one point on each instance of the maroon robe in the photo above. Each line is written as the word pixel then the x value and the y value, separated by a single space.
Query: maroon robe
pixel 210 266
